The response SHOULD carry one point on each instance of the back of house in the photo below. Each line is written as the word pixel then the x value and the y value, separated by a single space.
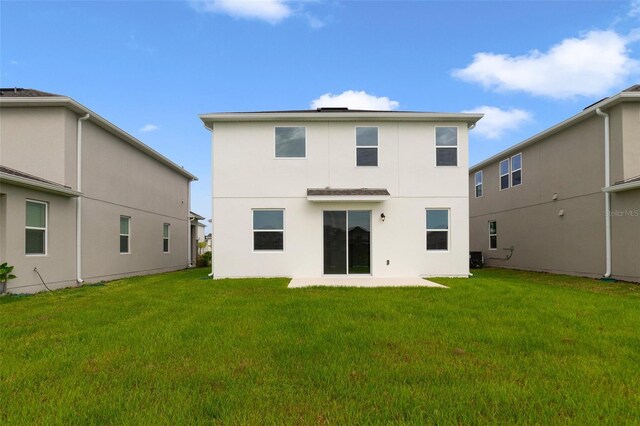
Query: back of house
pixel 542 204
pixel 338 192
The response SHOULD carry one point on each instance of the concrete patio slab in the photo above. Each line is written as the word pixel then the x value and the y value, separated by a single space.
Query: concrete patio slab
pixel 362 282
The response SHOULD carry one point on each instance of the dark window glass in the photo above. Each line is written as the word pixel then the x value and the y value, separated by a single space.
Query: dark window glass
pixel 479 191
pixel 446 136
pixel 366 136
pixel 437 240
pixel 504 167
pixel 516 178
pixel 359 241
pixel 165 245
pixel 36 215
pixel 290 142
pixel 367 156
pixel 437 219
pixel 446 156
pixel 493 227
pixel 516 162
pixel 34 241
pixel 493 242
pixel 268 219
pixel 124 244
pixel 269 240
pixel 504 182
pixel 335 242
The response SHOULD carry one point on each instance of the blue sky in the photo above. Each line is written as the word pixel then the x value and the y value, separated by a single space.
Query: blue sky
pixel 151 67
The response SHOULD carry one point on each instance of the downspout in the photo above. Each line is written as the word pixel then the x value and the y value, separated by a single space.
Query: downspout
pixel 607 195
pixel 79 201
pixel 189 263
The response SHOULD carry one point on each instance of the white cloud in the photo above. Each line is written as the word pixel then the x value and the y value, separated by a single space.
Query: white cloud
pixel 591 65
pixel 149 128
pixel 355 100
pixel 272 11
pixel 497 121
pixel 634 8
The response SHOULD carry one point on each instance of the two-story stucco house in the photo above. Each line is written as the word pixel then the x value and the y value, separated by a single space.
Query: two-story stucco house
pixel 81 200
pixel 337 192
pixel 566 200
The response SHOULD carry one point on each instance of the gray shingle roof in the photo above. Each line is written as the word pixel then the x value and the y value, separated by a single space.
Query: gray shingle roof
pixel 347 191
pixel 18 92
pixel 18 173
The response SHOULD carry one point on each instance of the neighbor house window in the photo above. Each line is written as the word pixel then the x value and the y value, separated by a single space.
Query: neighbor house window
pixel 291 142
pixel 268 230
pixel 516 170
pixel 478 178
pixel 446 146
pixel 165 238
pixel 125 226
pixel 493 235
pixel 504 174
pixel 366 146
pixel 36 228
pixel 437 229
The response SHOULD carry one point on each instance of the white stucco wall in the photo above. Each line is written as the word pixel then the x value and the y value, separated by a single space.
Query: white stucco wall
pixel 246 176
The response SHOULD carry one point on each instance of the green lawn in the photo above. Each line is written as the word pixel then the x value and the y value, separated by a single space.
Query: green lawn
pixel 501 347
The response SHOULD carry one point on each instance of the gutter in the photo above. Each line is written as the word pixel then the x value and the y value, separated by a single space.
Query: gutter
pixel 607 194
pixel 79 200
pixel 628 186
pixel 41 186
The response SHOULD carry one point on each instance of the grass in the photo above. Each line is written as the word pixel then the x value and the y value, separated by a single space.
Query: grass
pixel 501 347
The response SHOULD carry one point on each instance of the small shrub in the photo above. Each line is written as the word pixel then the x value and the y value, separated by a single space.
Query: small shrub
pixel 204 260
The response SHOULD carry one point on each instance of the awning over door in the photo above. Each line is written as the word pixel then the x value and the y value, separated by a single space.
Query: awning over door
pixel 347 194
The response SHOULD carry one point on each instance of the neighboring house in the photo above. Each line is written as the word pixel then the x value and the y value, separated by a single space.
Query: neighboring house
pixel 209 242
pixel 542 204
pixel 340 192
pixel 81 200
pixel 197 235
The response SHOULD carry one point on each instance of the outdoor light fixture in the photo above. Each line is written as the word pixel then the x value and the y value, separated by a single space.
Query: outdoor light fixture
pixel 382 216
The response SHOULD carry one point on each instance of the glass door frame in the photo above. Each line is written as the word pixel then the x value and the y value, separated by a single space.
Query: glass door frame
pixel 347 274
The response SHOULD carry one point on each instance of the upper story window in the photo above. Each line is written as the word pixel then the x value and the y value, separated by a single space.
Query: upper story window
pixel 446 146
pixel 36 228
pixel 511 171
pixel 366 146
pixel 165 238
pixel 516 170
pixel 291 142
pixel 437 229
pixel 268 230
pixel 478 178
pixel 125 227
pixel 504 174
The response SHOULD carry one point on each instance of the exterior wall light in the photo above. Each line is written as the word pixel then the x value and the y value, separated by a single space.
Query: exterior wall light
pixel 382 216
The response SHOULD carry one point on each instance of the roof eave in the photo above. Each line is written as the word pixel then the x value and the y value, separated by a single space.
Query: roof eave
pixel 210 119
pixel 628 186
pixel 583 115
pixel 40 186
pixel 78 108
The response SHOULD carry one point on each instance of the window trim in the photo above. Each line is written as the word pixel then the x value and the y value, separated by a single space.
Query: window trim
pixel 481 184
pixel 493 235
pixel 275 150
pixel 253 230
pixel 127 235
pixel 508 174
pixel 377 147
pixel 168 238
pixel 448 230
pixel 512 170
pixel 37 228
pixel 436 147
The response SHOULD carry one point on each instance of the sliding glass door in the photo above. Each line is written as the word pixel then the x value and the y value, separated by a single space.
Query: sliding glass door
pixel 347 242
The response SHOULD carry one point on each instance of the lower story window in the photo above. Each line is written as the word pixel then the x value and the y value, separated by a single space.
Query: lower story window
pixel 125 225
pixel 493 235
pixel 437 229
pixel 36 228
pixel 165 238
pixel 268 230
